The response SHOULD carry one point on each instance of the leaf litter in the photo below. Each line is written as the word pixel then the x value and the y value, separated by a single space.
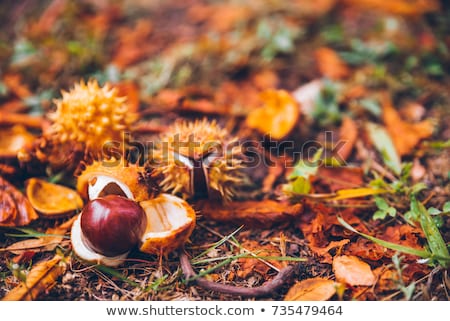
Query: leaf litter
pixel 288 71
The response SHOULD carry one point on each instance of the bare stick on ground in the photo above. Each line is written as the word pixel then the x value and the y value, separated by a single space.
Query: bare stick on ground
pixel 267 289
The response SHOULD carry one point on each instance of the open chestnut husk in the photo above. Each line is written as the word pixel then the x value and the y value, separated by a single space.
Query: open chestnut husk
pixel 116 177
pixel 110 226
pixel 170 222
pixel 107 229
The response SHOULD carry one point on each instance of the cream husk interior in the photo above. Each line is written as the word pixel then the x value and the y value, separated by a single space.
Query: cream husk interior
pixel 104 185
pixel 165 213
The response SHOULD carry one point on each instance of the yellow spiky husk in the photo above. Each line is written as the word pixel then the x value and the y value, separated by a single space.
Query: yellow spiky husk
pixel 91 115
pixel 223 173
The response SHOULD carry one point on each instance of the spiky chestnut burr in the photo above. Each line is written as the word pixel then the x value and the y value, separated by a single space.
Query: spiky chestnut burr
pixel 197 159
pixel 86 117
pixel 91 115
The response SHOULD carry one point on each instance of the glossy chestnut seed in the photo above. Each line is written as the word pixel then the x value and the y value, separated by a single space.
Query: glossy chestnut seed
pixel 112 225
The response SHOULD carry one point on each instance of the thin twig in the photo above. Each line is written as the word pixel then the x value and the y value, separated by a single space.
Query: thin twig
pixel 266 289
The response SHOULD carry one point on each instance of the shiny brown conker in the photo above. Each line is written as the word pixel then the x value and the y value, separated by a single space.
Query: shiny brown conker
pixel 112 225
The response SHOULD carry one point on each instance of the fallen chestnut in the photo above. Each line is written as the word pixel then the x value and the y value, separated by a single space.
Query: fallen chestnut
pixel 107 229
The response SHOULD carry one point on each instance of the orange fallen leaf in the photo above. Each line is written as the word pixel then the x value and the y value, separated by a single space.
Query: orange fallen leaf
pixel 316 289
pixel 278 115
pixel 15 85
pixel 330 64
pixel 323 251
pixel 42 277
pixel 404 135
pixel 13 140
pixel 131 91
pixel 15 209
pixel 401 7
pixel 133 43
pixel 351 270
pixel 348 133
pixel 263 213
pixel 250 265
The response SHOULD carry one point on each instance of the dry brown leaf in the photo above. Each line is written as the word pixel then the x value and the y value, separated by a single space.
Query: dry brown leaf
pixel 316 289
pixel 278 115
pixel 15 85
pixel 401 7
pixel 250 265
pixel 43 243
pixel 13 140
pixel 404 135
pixel 323 251
pixel 52 200
pixel 131 91
pixel 15 209
pixel 348 133
pixel 263 213
pixel 330 64
pixel 133 44
pixel 22 119
pixel 225 16
pixel 42 277
pixel 351 270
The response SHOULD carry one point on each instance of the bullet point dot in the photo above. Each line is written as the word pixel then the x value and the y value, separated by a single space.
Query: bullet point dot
pixel 262 310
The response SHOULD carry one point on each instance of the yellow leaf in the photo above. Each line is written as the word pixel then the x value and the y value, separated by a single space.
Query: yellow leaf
pixel 356 192
pixel 42 277
pixel 277 117
pixel 316 289
pixel 351 270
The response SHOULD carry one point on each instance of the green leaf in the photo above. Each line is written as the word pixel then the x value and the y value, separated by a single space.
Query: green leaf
pixel 301 186
pixel 446 207
pixel 383 143
pixel 416 188
pixel 435 241
pixel 381 203
pixel 434 211
pixel 391 211
pixel 305 168
pixel 379 215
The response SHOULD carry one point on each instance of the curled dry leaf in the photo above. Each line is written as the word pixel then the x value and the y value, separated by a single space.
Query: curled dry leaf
pixel 251 213
pixel 278 115
pixel 316 289
pixel 330 64
pixel 404 135
pixel 15 209
pixel 250 265
pixel 42 277
pixel 13 140
pixel 51 199
pixel 351 270
pixel 43 243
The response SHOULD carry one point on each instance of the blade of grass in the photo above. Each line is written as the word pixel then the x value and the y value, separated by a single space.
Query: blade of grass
pixel 396 247
pixel 435 241
pixel 219 243
pixel 247 256
pixel 115 273
pixel 28 232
